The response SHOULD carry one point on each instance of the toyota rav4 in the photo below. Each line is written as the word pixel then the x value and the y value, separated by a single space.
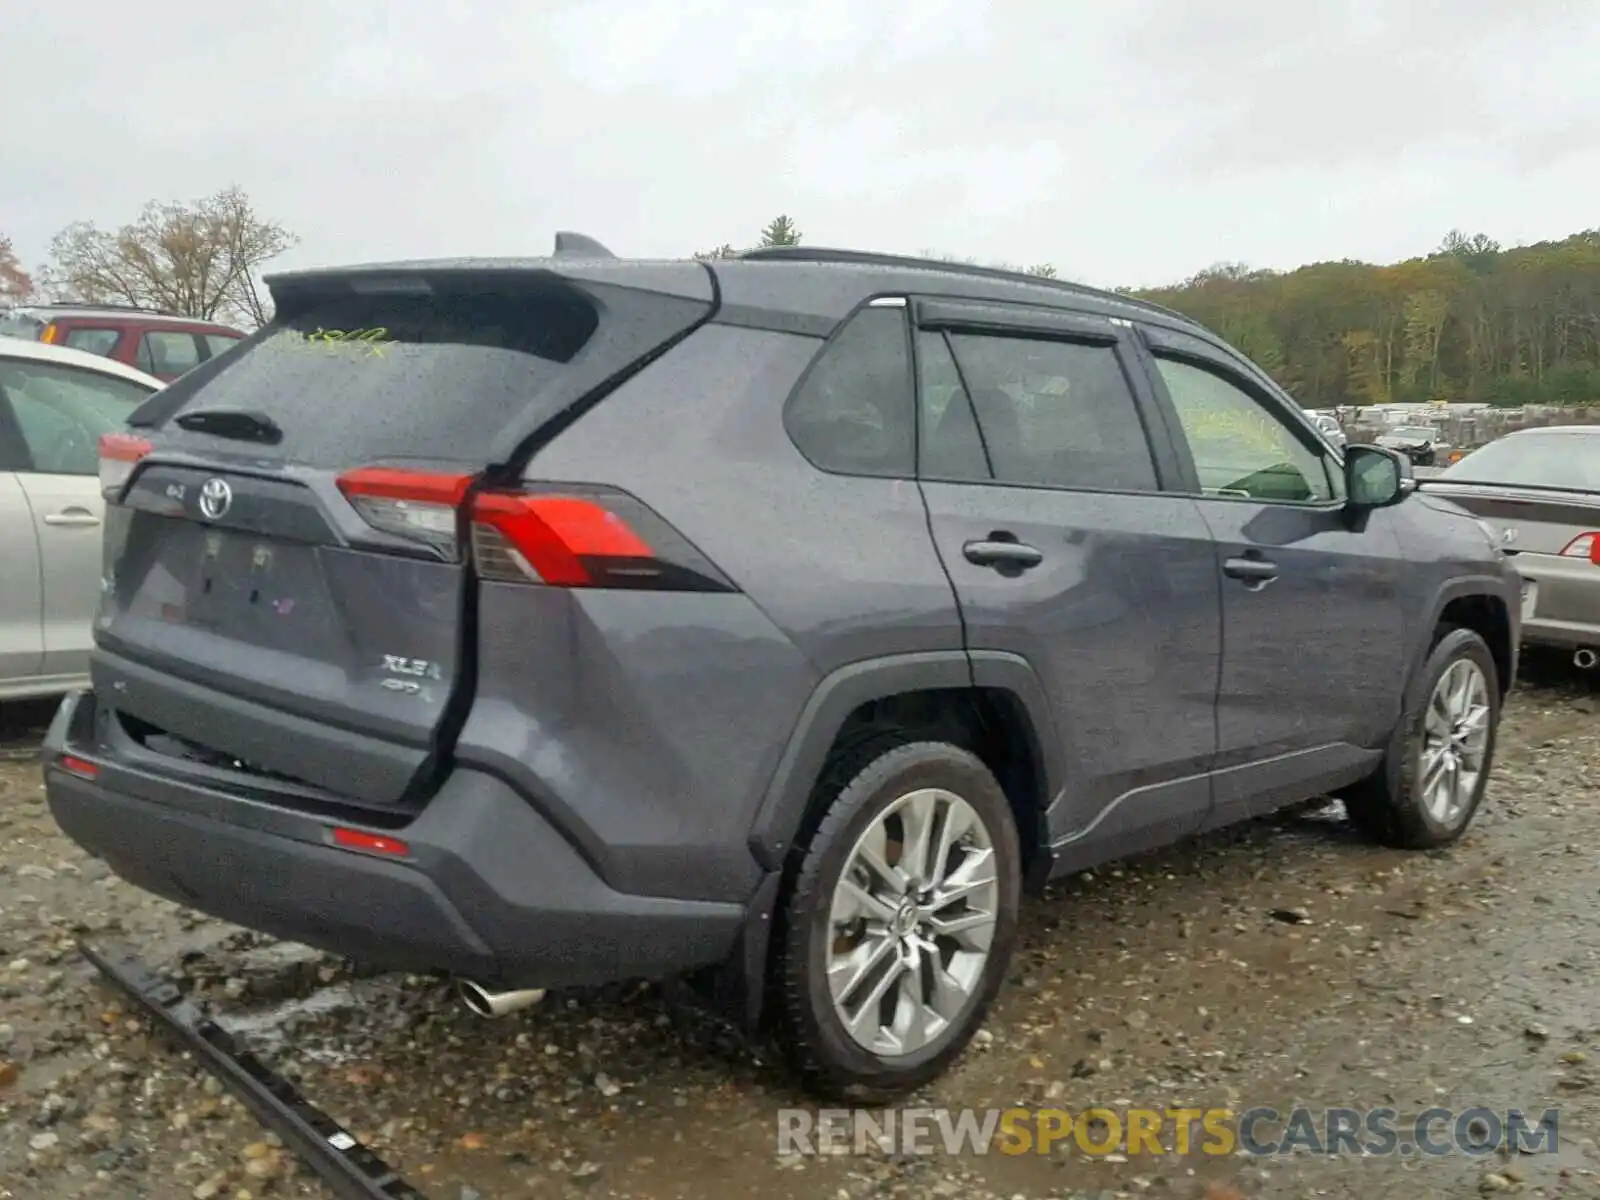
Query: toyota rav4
pixel 774 621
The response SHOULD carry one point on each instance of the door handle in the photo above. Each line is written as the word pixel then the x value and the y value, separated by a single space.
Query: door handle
pixel 1251 569
pixel 1015 555
pixel 72 516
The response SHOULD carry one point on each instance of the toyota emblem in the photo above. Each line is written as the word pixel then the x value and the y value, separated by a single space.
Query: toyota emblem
pixel 216 497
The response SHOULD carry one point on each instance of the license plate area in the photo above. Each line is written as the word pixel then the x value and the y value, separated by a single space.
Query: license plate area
pixel 255 590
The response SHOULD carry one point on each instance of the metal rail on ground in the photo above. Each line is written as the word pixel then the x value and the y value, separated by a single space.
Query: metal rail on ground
pixel 350 1170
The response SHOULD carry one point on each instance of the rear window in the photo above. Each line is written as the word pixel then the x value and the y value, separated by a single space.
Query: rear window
pixel 354 379
pixel 20 325
pixel 1553 460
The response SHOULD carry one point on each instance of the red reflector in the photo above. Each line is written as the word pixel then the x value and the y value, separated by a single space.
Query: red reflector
pixel 389 483
pixel 371 843
pixel 81 767
pixel 555 533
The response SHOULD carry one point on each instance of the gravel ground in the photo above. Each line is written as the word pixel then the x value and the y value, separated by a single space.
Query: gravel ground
pixel 1281 962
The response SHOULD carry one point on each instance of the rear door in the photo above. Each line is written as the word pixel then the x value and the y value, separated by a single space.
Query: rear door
pixel 61 413
pixel 1313 626
pixel 1046 495
pixel 289 593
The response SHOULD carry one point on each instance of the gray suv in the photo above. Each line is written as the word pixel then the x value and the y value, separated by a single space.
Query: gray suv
pixel 772 621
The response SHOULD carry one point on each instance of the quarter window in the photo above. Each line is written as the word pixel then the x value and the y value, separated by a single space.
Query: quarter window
pixel 1240 447
pixel 1030 411
pixel 853 413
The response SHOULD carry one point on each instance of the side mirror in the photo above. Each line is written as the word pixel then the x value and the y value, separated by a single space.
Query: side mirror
pixel 1376 477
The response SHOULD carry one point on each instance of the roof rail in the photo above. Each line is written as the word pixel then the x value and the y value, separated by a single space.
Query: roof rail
pixel 872 258
pixel 579 245
pixel 156 312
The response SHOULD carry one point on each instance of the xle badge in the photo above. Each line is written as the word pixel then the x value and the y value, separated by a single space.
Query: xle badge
pixel 405 675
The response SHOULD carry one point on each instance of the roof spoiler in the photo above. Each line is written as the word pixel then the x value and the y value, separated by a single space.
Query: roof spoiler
pixel 579 245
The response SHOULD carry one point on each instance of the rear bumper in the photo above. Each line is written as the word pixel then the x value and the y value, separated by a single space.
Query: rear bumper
pixel 486 888
pixel 1563 609
pixel 1564 635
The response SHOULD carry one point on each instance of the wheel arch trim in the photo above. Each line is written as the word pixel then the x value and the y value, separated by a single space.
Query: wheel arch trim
pixel 842 691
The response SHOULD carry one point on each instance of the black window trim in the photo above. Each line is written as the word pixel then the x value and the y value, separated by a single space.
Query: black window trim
pixel 891 301
pixel 944 315
pixel 1216 361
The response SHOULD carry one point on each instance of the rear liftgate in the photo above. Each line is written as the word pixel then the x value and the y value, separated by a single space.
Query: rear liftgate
pixel 351 1171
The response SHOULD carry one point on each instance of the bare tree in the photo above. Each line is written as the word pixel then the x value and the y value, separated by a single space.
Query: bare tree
pixel 197 260
pixel 16 285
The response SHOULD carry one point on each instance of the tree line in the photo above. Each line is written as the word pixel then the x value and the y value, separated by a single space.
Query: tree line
pixel 1472 321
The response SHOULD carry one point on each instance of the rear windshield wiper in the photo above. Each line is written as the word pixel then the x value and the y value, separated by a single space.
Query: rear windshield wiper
pixel 240 424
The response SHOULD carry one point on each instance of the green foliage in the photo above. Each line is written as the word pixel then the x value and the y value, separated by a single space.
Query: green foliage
pixel 780 231
pixel 1470 322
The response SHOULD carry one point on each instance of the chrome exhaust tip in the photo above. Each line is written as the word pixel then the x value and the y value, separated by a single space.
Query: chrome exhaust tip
pixel 1585 659
pixel 487 1004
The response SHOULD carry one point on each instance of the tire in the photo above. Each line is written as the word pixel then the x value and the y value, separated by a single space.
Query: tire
pixel 1392 805
pixel 878 788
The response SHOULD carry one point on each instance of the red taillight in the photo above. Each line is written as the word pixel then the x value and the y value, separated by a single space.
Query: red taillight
pixel 119 454
pixel 1585 545
pixel 551 539
pixel 420 505
pixel 575 536
pixel 81 767
pixel 369 843
pixel 584 537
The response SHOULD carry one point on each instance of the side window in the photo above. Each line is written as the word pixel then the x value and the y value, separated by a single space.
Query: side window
pixel 1048 414
pixel 162 352
pixel 952 448
pixel 217 343
pixel 93 341
pixel 1240 447
pixel 62 411
pixel 852 413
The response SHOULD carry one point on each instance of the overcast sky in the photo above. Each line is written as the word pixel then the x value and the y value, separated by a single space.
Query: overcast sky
pixel 1126 141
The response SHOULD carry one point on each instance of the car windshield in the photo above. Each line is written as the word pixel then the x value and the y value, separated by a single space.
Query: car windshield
pixel 1552 460
pixel 1412 431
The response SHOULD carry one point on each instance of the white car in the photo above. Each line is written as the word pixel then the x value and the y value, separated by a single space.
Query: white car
pixel 54 405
